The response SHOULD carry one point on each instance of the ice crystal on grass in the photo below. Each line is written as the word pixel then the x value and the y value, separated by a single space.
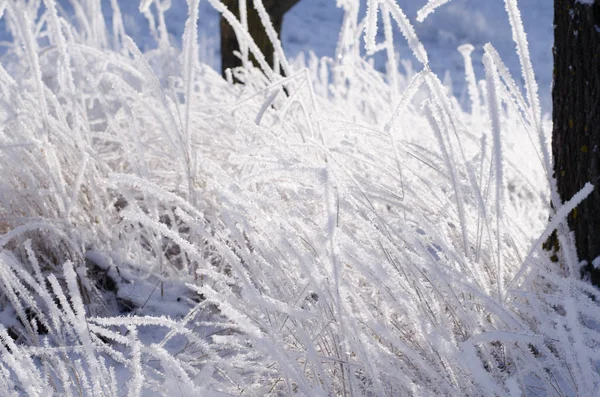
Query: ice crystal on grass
pixel 319 229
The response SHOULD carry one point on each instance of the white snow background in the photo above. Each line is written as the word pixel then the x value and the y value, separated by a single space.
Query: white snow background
pixel 314 25
pixel 342 224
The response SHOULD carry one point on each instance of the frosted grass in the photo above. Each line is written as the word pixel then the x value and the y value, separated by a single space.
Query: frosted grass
pixel 318 229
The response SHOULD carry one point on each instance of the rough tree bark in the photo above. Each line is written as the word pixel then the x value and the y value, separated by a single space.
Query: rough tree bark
pixel 576 117
pixel 276 10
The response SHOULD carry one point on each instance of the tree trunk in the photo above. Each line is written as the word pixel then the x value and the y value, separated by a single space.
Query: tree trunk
pixel 276 10
pixel 576 118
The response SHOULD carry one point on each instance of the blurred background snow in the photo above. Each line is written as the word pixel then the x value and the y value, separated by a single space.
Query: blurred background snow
pixel 313 25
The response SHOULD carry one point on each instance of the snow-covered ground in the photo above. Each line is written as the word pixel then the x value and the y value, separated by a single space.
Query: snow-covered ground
pixel 313 25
